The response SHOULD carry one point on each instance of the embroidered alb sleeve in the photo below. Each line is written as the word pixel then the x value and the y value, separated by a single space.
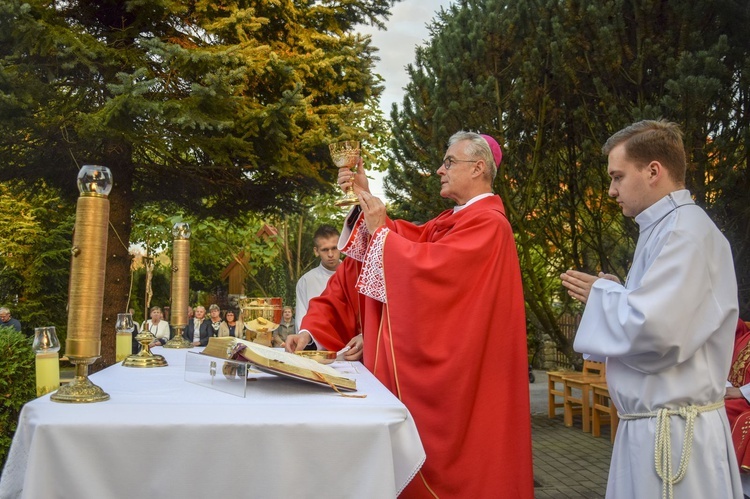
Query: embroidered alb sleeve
pixel 371 281
pixel 356 245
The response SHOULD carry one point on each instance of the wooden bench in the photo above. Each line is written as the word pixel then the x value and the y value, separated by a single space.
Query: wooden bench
pixel 577 398
pixel 603 411
pixel 555 383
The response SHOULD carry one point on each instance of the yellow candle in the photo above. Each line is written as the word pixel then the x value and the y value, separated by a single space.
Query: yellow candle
pixel 47 373
pixel 124 346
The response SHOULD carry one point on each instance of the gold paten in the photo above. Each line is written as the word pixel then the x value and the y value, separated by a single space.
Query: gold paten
pixel 321 356
pixel 145 358
pixel 83 344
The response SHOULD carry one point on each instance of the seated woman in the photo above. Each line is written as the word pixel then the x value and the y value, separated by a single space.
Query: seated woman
pixel 232 326
pixel 158 327
pixel 214 316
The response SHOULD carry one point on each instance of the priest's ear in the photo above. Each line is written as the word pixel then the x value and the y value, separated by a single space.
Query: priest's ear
pixel 481 169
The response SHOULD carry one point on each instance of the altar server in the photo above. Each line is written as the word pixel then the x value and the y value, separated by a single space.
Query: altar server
pixel 313 282
pixel 441 310
pixel 668 332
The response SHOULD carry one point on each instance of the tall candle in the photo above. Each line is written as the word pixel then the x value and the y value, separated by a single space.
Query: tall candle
pixel 180 281
pixel 86 287
pixel 47 373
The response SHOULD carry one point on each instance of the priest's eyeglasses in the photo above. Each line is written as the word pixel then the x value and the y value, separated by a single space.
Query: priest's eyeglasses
pixel 449 162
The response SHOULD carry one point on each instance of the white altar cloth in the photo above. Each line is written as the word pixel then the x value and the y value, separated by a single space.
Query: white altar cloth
pixel 161 437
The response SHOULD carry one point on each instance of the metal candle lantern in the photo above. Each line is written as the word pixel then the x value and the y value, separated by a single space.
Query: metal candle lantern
pixel 89 252
pixel 46 346
pixel 180 285
pixel 124 338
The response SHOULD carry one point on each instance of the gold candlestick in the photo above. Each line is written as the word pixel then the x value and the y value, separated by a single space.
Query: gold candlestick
pixel 145 358
pixel 180 285
pixel 46 346
pixel 83 344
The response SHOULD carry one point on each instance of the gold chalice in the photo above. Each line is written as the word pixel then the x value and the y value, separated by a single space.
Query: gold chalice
pixel 345 154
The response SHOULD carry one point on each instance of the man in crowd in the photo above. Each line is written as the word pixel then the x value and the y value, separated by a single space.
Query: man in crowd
pixel 667 333
pixel 312 283
pixel 7 321
pixel 442 313
pixel 286 327
pixel 198 330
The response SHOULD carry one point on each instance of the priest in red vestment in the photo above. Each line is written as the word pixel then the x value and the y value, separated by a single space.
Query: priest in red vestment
pixel 441 311
pixel 737 396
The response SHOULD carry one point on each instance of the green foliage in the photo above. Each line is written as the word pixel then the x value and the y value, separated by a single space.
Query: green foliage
pixel 17 382
pixel 273 262
pixel 221 109
pixel 36 229
pixel 552 81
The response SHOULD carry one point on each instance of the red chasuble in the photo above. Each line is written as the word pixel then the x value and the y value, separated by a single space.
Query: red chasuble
pixel 738 410
pixel 442 312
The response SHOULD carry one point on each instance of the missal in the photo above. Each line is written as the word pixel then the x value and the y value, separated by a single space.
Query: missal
pixel 278 362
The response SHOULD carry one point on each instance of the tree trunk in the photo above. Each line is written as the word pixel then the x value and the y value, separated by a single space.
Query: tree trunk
pixel 117 278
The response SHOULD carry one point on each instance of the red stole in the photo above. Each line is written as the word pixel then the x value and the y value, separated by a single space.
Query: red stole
pixel 738 410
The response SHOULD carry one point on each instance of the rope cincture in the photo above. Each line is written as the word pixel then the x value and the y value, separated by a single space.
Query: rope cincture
pixel 663 441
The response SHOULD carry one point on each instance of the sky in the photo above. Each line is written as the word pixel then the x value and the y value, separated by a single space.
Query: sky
pixel 406 28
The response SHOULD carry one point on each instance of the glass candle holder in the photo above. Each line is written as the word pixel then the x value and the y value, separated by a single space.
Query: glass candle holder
pixel 124 345
pixel 46 347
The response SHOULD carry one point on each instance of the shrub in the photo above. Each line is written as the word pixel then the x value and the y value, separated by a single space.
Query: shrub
pixel 17 382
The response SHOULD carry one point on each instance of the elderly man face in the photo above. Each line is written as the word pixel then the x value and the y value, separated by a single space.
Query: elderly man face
pixel 200 312
pixel 456 172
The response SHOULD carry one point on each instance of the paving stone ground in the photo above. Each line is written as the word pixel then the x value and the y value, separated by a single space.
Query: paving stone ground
pixel 567 462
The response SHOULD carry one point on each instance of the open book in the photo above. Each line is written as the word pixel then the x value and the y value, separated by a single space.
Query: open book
pixel 277 362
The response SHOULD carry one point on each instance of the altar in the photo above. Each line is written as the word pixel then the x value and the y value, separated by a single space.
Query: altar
pixel 160 436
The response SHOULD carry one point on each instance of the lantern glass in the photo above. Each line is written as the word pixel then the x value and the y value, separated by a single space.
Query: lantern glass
pixel 94 179
pixel 181 230
pixel 45 340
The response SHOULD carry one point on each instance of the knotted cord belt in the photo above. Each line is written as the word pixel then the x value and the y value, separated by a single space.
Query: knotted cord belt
pixel 663 446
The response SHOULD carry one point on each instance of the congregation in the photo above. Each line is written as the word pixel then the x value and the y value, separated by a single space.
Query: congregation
pixel 219 323
pixel 230 322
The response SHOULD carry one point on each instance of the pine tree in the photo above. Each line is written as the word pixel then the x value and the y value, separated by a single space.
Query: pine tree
pixel 219 107
pixel 552 80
